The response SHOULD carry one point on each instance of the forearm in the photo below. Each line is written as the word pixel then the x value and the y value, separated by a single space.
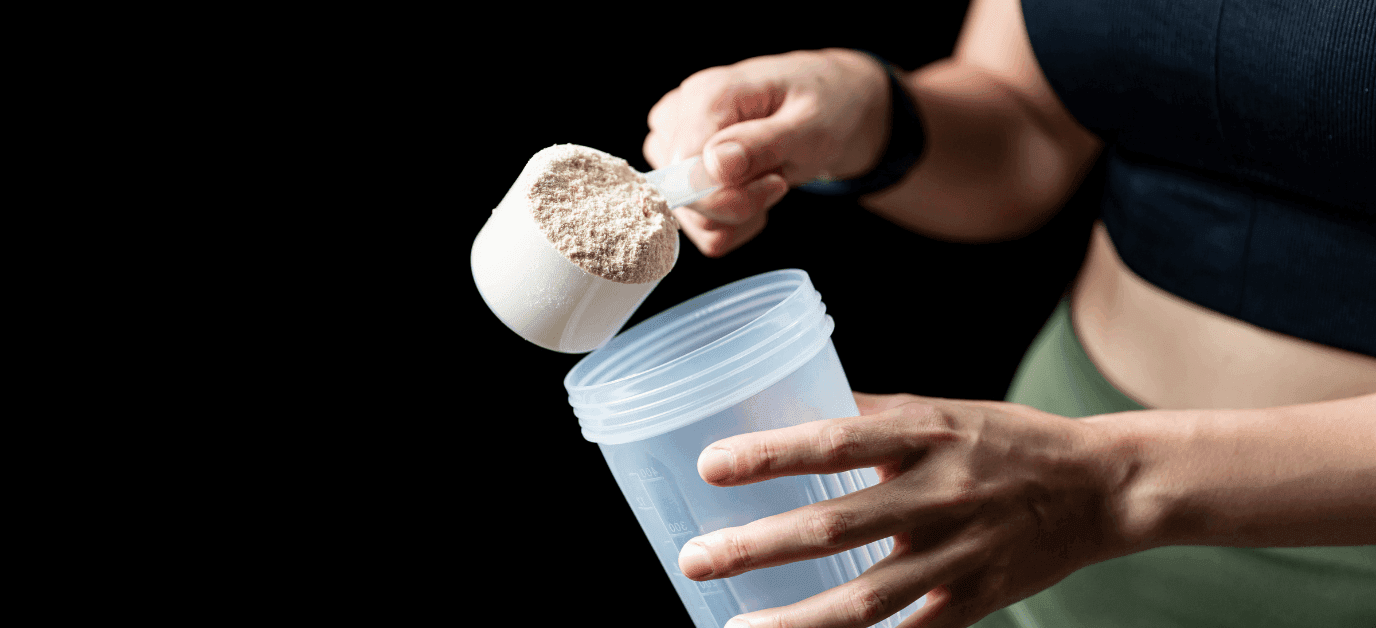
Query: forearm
pixel 1301 475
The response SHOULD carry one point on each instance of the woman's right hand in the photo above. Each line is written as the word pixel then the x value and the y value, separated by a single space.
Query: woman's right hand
pixel 764 125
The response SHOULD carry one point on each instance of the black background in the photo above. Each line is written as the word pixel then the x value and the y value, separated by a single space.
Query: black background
pixel 912 314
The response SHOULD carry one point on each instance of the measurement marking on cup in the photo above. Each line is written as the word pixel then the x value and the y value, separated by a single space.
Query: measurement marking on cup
pixel 663 497
pixel 659 491
pixel 638 497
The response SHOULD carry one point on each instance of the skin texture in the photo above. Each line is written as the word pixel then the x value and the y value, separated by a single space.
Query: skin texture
pixel 991 502
pixel 764 125
pixel 1166 352
pixel 986 502
pixel 1002 153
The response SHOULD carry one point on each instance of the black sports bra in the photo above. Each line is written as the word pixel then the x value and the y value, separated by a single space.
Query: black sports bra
pixel 1242 149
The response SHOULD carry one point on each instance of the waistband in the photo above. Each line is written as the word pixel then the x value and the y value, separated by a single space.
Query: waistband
pixel 1057 376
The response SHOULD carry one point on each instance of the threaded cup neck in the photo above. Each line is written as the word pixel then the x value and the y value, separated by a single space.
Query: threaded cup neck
pixel 699 357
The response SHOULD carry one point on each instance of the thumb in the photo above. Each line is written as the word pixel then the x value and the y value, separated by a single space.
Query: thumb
pixel 743 152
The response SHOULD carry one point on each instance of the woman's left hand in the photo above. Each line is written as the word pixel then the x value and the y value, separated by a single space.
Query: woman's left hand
pixel 987 502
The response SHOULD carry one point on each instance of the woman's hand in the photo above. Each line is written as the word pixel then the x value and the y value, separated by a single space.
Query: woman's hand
pixel 987 502
pixel 765 124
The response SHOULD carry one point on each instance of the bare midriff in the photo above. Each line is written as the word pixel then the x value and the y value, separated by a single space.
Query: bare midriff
pixel 1166 352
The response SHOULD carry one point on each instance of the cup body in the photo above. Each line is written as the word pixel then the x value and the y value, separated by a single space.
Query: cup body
pixel 752 355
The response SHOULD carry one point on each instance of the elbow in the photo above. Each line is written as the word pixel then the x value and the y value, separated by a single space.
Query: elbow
pixel 1022 190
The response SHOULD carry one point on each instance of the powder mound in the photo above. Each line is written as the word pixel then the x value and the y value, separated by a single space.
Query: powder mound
pixel 600 213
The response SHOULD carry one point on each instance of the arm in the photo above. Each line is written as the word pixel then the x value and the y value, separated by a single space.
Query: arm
pixel 1289 476
pixel 1002 153
pixel 991 502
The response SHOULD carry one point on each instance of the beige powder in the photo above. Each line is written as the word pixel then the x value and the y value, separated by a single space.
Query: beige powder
pixel 600 213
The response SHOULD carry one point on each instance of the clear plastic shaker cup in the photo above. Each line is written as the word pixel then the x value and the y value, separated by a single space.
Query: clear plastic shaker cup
pixel 549 300
pixel 752 355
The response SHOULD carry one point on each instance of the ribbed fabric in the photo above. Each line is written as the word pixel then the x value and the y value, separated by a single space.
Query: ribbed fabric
pixel 1263 259
pixel 1242 133
pixel 1057 376
pixel 1297 90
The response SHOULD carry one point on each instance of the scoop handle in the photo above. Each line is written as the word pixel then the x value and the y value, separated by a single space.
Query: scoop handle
pixel 683 182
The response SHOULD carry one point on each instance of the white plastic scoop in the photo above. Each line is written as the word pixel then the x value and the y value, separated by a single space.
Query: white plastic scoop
pixel 684 182
pixel 546 298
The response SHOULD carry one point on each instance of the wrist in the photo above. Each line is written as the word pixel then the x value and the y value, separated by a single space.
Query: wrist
pixel 1121 451
pixel 873 96
pixel 889 138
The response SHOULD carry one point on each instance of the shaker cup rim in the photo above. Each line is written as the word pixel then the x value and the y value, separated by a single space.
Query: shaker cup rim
pixel 698 357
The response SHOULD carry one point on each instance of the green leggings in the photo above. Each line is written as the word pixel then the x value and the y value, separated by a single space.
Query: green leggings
pixel 1328 587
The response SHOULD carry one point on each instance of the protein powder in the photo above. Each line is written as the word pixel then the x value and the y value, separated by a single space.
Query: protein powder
pixel 576 245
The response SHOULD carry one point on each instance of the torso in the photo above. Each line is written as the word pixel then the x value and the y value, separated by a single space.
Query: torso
pixel 1166 352
pixel 1158 348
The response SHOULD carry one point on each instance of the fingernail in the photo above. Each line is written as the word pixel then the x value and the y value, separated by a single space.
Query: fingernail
pixel 731 161
pixel 736 622
pixel 715 464
pixel 693 561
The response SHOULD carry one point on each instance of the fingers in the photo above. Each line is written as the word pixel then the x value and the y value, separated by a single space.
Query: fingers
pixel 886 588
pixel 949 572
pixel 747 150
pixel 739 205
pixel 682 122
pixel 734 214
pixel 678 127
pixel 856 604
pixel 875 404
pixel 828 446
pixel 753 127
pixel 731 216
pixel 714 238
pixel 931 612
pixel 813 531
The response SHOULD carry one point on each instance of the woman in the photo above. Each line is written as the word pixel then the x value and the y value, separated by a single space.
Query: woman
pixel 1219 339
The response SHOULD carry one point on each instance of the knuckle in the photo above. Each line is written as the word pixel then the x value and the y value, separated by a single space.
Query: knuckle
pixel 963 493
pixel 865 602
pixel 765 457
pixel 826 527
pixel 703 77
pixel 934 421
pixel 711 91
pixel 806 58
pixel 708 81
pixel 724 105
pixel 650 148
pixel 696 81
pixel 839 442
pixel 659 111
pixel 737 554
